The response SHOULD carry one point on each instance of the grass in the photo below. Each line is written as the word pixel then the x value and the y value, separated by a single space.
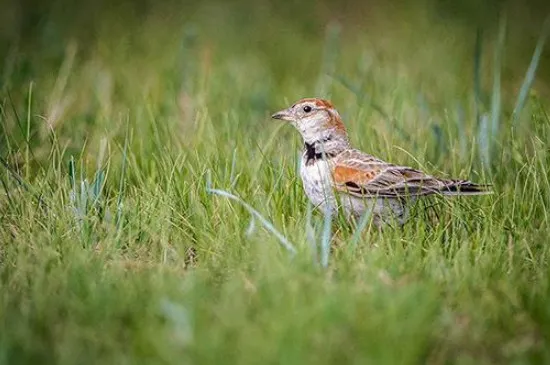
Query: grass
pixel 151 212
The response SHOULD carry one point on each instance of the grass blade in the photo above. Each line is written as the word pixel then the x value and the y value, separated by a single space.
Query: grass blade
pixel 310 233
pixel 121 183
pixel 330 53
pixel 484 141
pixel 267 225
pixel 477 74
pixel 326 238
pixel 530 74
pixel 359 229
pixel 497 68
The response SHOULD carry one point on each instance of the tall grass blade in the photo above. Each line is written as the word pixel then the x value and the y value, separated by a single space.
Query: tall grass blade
pixel 251 227
pixel 28 133
pixel 359 229
pixel 8 195
pixel 83 202
pixel 22 183
pixel 531 71
pixel 484 141
pixel 97 186
pixel 461 126
pixel 310 233
pixel 72 173
pixel 267 225
pixel 496 93
pixel 118 220
pixel 330 54
pixel 233 174
pixel 326 237
pixel 477 74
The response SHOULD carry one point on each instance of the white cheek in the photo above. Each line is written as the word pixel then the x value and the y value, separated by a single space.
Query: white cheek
pixel 309 128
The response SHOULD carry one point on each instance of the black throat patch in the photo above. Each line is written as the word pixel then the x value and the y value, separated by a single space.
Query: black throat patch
pixel 311 154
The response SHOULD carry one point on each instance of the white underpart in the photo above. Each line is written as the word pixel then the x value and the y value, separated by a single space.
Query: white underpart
pixel 317 181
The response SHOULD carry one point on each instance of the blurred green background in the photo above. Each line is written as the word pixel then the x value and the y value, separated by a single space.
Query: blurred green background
pixel 117 116
pixel 302 48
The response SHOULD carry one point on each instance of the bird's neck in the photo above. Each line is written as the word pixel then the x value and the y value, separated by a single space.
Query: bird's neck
pixel 324 146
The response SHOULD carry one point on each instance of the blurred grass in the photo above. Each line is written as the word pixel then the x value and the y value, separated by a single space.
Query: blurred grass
pixel 115 115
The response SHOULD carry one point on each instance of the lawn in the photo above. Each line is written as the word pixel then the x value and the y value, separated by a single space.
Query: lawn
pixel 151 211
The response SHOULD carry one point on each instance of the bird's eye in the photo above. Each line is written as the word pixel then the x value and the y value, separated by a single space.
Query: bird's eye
pixel 307 108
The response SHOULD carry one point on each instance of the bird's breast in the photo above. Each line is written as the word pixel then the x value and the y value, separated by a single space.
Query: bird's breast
pixel 317 180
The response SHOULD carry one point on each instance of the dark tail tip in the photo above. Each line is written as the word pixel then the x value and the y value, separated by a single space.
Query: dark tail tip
pixel 467 188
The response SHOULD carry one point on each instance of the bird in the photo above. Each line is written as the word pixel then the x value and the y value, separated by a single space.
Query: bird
pixel 337 176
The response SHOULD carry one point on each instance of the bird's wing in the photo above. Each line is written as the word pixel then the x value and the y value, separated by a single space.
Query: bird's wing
pixel 362 175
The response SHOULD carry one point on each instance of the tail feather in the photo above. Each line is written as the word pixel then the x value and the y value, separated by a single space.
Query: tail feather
pixel 465 187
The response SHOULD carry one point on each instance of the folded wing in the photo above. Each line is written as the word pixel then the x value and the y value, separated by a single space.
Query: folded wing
pixel 362 175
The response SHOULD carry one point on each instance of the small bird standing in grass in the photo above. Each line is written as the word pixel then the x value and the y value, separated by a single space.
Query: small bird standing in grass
pixel 336 175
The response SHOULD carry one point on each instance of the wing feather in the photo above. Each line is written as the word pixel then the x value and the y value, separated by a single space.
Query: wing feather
pixel 363 175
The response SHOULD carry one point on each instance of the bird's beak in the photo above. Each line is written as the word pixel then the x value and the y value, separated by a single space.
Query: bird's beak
pixel 283 115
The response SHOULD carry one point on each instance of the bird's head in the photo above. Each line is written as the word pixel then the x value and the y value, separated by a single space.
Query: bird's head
pixel 315 119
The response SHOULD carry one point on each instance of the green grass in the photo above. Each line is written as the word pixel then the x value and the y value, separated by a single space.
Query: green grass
pixel 116 249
